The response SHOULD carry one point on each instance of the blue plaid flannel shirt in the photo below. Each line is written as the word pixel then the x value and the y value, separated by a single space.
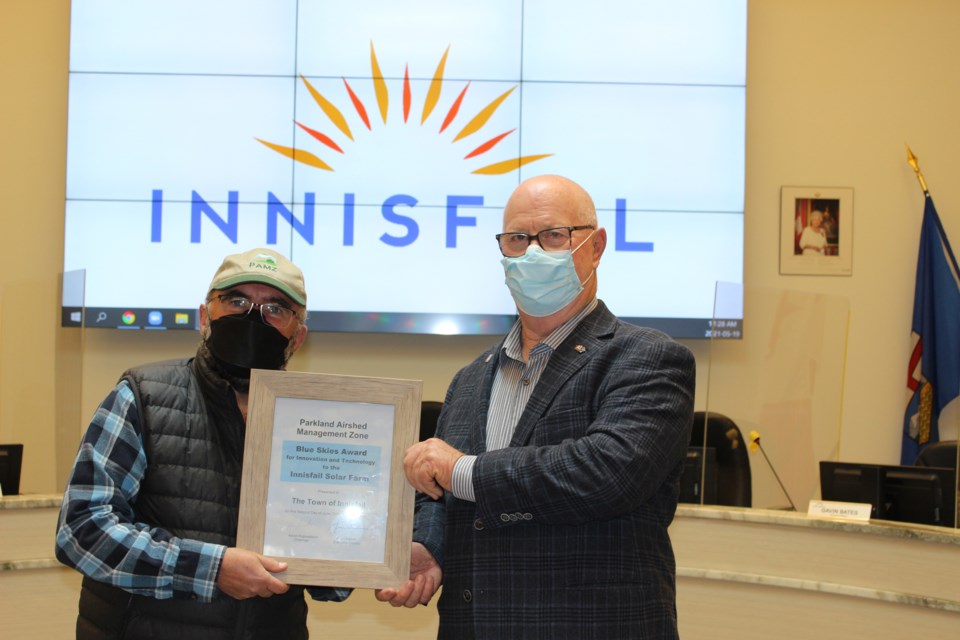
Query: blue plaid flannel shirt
pixel 98 535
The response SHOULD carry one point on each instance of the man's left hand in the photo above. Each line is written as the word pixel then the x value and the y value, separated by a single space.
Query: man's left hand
pixel 425 579
pixel 429 466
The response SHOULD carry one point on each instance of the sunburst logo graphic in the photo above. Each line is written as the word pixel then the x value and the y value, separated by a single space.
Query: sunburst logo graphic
pixel 338 121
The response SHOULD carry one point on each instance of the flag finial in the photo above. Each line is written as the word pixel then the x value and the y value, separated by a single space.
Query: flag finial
pixel 912 159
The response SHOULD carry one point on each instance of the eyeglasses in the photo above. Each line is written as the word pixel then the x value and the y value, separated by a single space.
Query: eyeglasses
pixel 514 244
pixel 270 312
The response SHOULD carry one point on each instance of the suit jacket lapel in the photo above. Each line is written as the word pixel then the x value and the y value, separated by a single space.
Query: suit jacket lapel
pixel 579 347
pixel 482 399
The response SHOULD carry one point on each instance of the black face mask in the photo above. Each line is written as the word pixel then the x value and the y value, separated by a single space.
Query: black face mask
pixel 247 343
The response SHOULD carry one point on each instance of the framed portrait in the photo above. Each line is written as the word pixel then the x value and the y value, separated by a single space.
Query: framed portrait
pixel 816 231
pixel 323 483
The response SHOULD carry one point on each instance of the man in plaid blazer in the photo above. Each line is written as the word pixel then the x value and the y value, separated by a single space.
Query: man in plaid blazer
pixel 546 495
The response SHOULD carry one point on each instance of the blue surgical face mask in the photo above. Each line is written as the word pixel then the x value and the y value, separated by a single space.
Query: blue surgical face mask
pixel 543 282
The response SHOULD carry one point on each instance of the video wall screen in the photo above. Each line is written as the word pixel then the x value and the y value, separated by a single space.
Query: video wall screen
pixel 375 143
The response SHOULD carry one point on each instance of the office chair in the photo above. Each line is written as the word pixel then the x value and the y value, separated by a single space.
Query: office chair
pixel 938 454
pixel 429 413
pixel 11 460
pixel 733 461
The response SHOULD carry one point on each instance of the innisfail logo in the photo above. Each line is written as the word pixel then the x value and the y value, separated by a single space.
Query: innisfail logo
pixel 337 120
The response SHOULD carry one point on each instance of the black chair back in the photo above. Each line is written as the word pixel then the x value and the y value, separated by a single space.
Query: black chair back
pixel 429 414
pixel 938 454
pixel 733 461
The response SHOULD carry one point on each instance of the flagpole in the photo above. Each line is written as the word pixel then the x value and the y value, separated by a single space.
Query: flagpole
pixel 912 159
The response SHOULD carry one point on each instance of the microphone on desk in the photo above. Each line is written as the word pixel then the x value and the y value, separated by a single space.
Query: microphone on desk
pixel 734 437
pixel 753 446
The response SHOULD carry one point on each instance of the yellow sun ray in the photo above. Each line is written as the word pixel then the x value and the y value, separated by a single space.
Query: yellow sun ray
pixel 433 93
pixel 481 118
pixel 430 101
pixel 379 85
pixel 331 111
pixel 298 155
pixel 500 168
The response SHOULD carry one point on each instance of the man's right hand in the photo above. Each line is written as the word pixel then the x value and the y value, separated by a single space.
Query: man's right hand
pixel 429 466
pixel 246 574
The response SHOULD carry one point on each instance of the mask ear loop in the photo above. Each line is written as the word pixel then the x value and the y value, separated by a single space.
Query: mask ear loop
pixel 592 271
pixel 584 241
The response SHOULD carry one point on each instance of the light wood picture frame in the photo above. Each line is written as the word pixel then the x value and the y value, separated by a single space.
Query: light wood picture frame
pixel 816 231
pixel 323 487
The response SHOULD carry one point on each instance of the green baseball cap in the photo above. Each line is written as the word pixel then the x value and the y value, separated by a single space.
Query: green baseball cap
pixel 265 266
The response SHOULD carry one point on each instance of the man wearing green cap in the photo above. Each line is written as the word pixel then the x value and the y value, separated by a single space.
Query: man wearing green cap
pixel 149 516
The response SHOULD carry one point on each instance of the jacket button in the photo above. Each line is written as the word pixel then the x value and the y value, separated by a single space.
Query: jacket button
pixel 467 596
pixel 478 524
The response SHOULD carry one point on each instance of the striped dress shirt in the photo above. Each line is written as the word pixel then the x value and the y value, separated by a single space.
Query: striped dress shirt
pixel 513 384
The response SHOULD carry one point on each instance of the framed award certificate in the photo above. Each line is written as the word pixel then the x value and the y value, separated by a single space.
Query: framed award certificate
pixel 323 483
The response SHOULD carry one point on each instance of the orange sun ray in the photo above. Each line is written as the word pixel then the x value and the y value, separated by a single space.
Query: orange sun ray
pixel 500 168
pixel 319 136
pixel 361 110
pixel 431 100
pixel 454 109
pixel 297 155
pixel 433 93
pixel 481 118
pixel 489 144
pixel 331 111
pixel 379 85
pixel 406 92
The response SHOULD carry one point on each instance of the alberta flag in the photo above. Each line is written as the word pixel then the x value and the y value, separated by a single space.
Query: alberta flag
pixel 933 374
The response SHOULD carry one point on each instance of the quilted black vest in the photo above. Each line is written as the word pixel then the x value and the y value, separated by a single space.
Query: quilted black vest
pixel 192 489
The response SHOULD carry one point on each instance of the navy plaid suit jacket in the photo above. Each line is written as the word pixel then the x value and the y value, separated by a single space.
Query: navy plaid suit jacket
pixel 568 536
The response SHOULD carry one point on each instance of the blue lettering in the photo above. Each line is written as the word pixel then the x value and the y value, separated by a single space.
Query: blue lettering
pixel 392 216
pixel 454 221
pixel 276 209
pixel 306 227
pixel 349 219
pixel 156 215
pixel 621 243
pixel 199 206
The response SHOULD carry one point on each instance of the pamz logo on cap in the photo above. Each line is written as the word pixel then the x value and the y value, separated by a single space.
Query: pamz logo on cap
pixel 263 261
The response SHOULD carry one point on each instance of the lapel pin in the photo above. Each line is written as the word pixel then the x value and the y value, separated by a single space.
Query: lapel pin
pixel 580 348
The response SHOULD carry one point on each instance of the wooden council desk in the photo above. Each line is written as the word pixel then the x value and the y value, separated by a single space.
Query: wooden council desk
pixel 762 574
pixel 741 574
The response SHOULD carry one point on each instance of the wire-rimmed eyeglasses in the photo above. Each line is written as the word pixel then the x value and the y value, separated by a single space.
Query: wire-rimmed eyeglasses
pixel 271 313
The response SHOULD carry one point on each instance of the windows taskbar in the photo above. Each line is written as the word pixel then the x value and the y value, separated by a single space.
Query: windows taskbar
pixel 129 318
pixel 144 318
